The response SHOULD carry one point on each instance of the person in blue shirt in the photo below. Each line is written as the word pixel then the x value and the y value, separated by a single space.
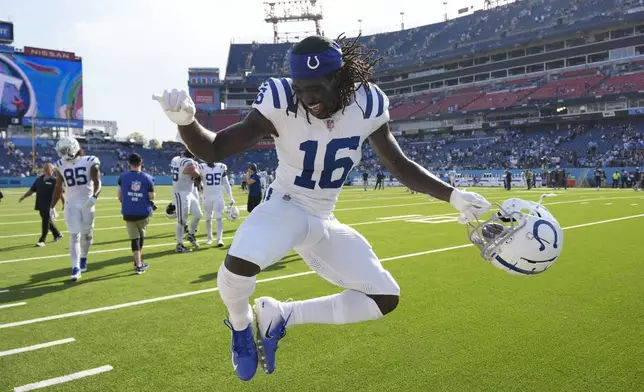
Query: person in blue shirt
pixel 254 188
pixel 136 194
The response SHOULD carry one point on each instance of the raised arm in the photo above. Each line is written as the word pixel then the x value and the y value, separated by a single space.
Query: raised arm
pixel 237 138
pixel 408 172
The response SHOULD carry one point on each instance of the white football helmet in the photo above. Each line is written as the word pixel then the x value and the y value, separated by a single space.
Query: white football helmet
pixel 523 238
pixel 67 148
pixel 232 213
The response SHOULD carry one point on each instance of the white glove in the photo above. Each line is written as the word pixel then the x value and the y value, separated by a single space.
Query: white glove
pixel 177 105
pixel 469 204
pixel 91 202
pixel 231 203
pixel 53 214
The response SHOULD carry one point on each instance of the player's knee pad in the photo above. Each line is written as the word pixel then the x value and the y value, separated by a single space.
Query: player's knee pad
pixel 136 244
pixel 240 266
pixel 386 303
pixel 88 236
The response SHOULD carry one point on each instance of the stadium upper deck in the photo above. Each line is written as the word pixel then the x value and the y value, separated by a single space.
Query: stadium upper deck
pixel 469 63
pixel 482 31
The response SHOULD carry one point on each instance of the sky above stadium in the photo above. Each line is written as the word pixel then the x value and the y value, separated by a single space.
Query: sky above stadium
pixel 134 48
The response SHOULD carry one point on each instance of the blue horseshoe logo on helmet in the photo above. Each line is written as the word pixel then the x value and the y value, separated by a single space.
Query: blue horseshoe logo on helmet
pixel 535 233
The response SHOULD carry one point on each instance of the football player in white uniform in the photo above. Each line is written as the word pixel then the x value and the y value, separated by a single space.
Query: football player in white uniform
pixel 319 119
pixel 184 173
pixel 81 177
pixel 215 177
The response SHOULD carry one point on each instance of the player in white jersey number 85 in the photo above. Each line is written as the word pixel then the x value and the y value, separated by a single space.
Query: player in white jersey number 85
pixel 79 174
pixel 320 118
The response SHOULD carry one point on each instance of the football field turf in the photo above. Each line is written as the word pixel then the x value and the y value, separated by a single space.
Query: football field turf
pixel 462 325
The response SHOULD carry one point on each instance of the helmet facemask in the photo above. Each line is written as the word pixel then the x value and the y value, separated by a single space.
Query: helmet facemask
pixel 489 235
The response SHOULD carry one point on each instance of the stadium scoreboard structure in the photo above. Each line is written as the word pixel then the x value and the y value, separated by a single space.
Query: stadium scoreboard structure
pixel 40 87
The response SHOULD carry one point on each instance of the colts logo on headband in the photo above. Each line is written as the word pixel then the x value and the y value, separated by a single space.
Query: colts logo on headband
pixel 308 62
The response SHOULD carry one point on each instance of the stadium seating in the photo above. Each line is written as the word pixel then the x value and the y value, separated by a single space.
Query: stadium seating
pixel 517 22
pixel 614 145
pixel 629 82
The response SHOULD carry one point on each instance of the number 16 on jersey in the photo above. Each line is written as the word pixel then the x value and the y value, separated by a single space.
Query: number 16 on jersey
pixel 331 164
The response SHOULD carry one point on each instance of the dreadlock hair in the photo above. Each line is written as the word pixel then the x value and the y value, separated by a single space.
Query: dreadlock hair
pixel 357 64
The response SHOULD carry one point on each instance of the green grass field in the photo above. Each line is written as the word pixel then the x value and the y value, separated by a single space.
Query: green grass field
pixel 462 325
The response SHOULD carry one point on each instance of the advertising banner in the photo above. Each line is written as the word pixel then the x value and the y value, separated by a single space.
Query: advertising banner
pixel 45 90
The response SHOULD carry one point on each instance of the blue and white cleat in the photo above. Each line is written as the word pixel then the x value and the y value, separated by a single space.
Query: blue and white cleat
pixel 76 274
pixel 271 327
pixel 244 352
pixel 83 264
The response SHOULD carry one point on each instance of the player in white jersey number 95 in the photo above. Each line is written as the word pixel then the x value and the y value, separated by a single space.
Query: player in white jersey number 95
pixel 320 116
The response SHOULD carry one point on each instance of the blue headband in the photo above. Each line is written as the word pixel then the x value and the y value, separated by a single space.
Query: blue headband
pixel 312 66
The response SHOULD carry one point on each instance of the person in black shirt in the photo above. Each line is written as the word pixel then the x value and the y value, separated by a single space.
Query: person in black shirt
pixel 508 180
pixel 637 178
pixel 380 179
pixel 365 180
pixel 43 187
pixel 254 188
pixel 598 178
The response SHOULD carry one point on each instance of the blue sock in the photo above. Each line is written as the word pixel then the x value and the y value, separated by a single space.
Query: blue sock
pixel 83 262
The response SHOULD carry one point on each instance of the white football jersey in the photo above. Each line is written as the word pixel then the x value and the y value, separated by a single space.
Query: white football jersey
pixel 181 182
pixel 315 159
pixel 211 179
pixel 77 178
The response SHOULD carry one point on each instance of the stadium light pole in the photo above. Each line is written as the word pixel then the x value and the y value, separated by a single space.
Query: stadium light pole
pixel 33 145
pixel 33 140
pixel 445 5
pixel 360 26
pixel 402 21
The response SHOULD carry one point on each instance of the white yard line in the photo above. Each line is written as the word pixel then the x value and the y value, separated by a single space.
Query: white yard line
pixel 398 217
pixel 350 209
pixel 36 347
pixel 12 305
pixel 174 243
pixel 96 229
pixel 59 219
pixel 604 221
pixel 339 209
pixel 210 290
pixel 63 379
pixel 33 212
pixel 4 291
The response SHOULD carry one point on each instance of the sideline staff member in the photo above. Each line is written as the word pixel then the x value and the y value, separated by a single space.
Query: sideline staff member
pixel 254 188
pixel 43 187
pixel 136 192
